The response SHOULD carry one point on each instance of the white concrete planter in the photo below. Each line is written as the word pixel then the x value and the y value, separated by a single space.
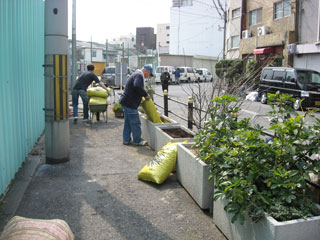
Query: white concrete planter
pixel 149 129
pixel 193 175
pixel 162 138
pixel 266 229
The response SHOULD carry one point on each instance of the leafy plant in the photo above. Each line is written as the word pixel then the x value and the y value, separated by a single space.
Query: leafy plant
pixel 117 107
pixel 255 176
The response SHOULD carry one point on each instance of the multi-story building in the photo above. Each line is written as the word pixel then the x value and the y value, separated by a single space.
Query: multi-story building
pixel 196 28
pixel 233 29
pixel 268 27
pixel 306 50
pixel 145 39
pixel 163 37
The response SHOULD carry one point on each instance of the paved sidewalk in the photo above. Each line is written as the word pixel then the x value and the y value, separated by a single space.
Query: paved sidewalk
pixel 98 194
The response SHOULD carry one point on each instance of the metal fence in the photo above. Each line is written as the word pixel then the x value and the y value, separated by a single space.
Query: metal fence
pixel 22 83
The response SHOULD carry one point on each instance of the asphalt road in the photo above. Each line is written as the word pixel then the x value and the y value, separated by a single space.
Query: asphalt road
pixel 254 110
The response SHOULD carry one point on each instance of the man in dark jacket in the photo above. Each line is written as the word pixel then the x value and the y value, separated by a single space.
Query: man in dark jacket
pixel 130 101
pixel 165 78
pixel 80 89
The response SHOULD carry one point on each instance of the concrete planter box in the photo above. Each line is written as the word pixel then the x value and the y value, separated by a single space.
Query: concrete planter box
pixel 193 175
pixel 267 228
pixel 149 129
pixel 162 138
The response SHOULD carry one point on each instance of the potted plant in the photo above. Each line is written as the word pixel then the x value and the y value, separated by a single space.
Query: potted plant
pixel 261 185
pixel 117 109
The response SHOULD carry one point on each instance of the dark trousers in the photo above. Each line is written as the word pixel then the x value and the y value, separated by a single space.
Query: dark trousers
pixel 165 87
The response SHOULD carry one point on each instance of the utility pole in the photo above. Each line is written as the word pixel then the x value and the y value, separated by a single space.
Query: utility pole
pixel 74 44
pixel 137 58
pixel 128 55
pixel 107 53
pixel 56 82
pixel 91 50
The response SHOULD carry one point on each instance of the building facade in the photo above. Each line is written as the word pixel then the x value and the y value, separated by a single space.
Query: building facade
pixel 129 41
pixel 233 29
pixel 145 39
pixel 163 37
pixel 196 28
pixel 268 27
pixel 306 50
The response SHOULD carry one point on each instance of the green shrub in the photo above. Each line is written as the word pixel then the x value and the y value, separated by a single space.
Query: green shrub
pixel 255 176
pixel 117 107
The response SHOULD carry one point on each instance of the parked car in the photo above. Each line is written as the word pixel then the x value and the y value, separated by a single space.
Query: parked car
pixel 300 83
pixel 187 74
pixel 109 76
pixel 160 69
pixel 204 74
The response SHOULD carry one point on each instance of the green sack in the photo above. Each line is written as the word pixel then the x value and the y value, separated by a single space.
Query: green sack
pixel 97 92
pixel 161 165
pixel 97 101
pixel 151 111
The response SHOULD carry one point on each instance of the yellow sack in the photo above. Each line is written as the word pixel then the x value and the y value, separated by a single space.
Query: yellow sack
pixel 97 100
pixel 161 165
pixel 151 111
pixel 97 92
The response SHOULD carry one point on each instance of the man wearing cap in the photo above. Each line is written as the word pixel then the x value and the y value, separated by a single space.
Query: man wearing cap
pixel 130 101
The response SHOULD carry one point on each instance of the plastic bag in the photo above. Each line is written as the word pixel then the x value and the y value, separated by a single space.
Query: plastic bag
pixel 97 92
pixel 252 96
pixel 159 168
pixel 97 101
pixel 151 111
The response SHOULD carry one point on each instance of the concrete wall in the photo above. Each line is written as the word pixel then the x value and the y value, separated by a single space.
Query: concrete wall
pixel 309 21
pixel 190 61
pixel 163 35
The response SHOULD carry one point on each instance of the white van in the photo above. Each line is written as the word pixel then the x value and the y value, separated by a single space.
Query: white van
pixel 160 69
pixel 204 74
pixel 187 74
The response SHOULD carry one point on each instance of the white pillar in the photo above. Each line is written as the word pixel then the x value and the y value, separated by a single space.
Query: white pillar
pixel 56 81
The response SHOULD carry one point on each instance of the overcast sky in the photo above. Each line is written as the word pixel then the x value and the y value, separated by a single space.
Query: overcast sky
pixel 107 19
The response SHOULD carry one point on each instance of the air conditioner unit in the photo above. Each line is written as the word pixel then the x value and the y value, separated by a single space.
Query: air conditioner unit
pixel 291 48
pixel 246 34
pixel 263 30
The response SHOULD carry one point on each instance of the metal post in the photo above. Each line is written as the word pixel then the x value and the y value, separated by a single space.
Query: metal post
pixel 128 56
pixel 165 103
pixel 74 44
pixel 190 112
pixel 91 50
pixel 107 52
pixel 56 82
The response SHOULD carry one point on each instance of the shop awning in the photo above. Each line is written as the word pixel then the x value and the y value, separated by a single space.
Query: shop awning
pixel 268 50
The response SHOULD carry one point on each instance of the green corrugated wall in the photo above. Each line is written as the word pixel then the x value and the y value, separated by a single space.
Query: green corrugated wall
pixel 21 83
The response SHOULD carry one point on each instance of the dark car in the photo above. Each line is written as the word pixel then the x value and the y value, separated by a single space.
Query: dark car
pixel 299 83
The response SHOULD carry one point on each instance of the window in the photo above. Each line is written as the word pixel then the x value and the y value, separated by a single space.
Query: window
pixel 267 74
pixel 278 75
pixel 168 35
pixel 290 76
pixel 167 27
pixel 255 17
pixel 132 39
pixel 168 42
pixel 235 13
pixel 282 9
pixel 142 37
pixel 94 53
pixel 235 41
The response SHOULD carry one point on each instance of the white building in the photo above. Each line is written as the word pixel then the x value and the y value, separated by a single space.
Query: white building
pixel 128 40
pixel 196 28
pixel 163 37
pixel 233 29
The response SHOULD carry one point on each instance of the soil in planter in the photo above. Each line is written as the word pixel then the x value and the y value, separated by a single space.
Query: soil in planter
pixel 177 133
